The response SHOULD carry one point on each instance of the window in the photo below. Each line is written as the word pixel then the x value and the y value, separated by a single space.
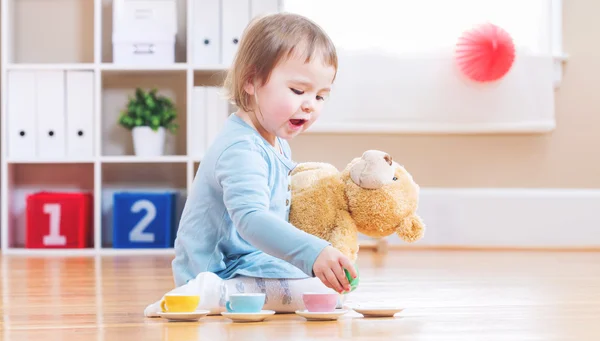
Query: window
pixel 397 72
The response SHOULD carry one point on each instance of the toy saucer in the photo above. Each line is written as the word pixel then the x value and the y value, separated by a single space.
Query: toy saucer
pixel 248 317
pixel 184 317
pixel 322 316
pixel 377 310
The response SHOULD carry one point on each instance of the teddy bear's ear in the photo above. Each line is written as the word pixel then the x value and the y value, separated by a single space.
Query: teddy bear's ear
pixel 374 170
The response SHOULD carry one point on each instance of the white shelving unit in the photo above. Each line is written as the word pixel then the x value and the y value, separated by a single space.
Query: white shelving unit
pixel 76 35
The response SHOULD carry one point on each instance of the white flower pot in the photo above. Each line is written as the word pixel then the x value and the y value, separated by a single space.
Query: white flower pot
pixel 147 142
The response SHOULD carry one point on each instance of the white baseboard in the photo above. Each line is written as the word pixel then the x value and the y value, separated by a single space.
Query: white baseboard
pixel 513 218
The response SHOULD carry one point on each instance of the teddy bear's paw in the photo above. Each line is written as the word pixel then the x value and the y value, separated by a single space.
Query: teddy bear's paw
pixel 351 253
pixel 411 229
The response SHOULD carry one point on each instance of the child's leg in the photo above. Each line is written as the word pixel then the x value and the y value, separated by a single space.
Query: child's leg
pixel 282 295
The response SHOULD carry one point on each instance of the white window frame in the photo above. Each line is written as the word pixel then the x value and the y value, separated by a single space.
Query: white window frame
pixel 547 125
pixel 560 57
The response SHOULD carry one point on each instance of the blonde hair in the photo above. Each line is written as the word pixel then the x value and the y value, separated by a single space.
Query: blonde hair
pixel 265 43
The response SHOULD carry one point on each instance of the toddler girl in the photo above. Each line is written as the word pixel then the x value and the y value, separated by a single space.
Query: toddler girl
pixel 234 235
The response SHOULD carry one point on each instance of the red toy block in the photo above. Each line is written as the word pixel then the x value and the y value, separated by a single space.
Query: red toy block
pixel 59 220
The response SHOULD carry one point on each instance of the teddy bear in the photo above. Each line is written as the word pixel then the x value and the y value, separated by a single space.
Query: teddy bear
pixel 373 195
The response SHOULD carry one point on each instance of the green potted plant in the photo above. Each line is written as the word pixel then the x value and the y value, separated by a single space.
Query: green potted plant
pixel 148 116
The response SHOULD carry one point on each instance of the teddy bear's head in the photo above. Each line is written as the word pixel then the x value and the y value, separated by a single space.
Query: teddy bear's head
pixel 382 197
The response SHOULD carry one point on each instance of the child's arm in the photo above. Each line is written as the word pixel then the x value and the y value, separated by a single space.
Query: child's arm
pixel 242 171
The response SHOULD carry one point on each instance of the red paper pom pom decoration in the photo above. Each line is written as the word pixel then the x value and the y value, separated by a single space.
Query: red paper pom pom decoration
pixel 485 53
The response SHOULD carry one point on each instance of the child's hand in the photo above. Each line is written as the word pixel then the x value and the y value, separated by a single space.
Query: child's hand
pixel 329 268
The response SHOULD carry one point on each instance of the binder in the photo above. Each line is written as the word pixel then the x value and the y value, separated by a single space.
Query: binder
pixel 197 123
pixel 80 114
pixel 217 112
pixel 206 35
pixel 235 16
pixel 50 114
pixel 21 141
pixel 263 7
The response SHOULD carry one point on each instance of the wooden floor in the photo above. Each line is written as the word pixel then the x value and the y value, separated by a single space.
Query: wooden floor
pixel 448 295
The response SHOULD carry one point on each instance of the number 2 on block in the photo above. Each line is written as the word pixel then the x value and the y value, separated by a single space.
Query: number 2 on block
pixel 54 238
pixel 138 234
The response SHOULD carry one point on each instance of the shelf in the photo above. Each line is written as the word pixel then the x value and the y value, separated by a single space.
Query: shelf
pixel 198 70
pixel 118 87
pixel 141 68
pixel 72 56
pixel 51 31
pixel 107 31
pixel 50 252
pixel 106 159
pixel 51 66
pixel 140 178
pixel 136 252
pixel 87 252
pixel 26 179
pixel 141 159
pixel 48 161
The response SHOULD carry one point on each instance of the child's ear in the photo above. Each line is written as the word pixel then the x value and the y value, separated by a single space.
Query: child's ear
pixel 250 84
pixel 249 88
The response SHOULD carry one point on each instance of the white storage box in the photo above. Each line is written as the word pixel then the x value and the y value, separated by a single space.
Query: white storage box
pixel 144 32
pixel 144 15
pixel 144 49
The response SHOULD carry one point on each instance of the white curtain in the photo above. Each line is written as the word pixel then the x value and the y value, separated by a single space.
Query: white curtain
pixel 397 70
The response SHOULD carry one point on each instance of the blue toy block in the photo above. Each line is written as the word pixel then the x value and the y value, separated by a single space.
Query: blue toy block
pixel 143 220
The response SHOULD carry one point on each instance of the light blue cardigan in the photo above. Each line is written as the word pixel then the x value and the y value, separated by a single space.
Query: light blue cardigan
pixel 235 220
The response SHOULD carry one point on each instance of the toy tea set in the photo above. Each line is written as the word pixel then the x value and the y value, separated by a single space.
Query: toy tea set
pixel 248 307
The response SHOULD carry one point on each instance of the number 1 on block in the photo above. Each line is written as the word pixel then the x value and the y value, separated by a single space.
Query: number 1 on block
pixel 54 238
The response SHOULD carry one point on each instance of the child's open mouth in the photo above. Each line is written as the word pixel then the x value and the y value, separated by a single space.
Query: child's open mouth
pixel 297 123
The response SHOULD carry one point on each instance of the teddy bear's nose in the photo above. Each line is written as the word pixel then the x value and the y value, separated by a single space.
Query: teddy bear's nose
pixel 388 159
